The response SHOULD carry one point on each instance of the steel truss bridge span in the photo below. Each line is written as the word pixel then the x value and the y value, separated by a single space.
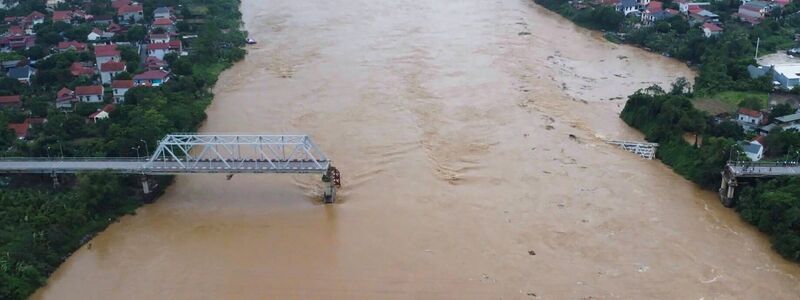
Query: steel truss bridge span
pixel 178 154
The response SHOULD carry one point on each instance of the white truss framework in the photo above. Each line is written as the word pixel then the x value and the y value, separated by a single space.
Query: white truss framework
pixel 238 154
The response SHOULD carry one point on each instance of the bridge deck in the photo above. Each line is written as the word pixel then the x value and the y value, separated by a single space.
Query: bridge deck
pixel 162 167
pixel 764 169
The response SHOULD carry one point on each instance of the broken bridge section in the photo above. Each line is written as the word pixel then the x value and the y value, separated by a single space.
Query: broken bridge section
pixel 188 153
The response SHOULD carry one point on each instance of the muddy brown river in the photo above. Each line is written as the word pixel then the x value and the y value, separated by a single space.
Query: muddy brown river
pixel 451 123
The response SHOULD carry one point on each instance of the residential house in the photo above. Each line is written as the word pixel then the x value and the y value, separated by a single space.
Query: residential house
pixel 116 29
pixel 71 45
pixel 65 98
pixel 110 69
pixel 23 73
pixel 158 50
pixel 162 13
pixel 750 119
pixel 151 78
pixel 119 88
pixel 105 53
pixel 81 69
pixel 116 4
pixel 22 130
pixel 99 35
pixel 156 38
pixel 753 149
pixel 153 63
pixel 702 16
pixel 103 19
pixel 101 114
pixel 17 39
pixel 753 11
pixel 62 16
pixel 89 93
pixel 33 19
pixel 627 6
pixel 164 24
pixel 51 4
pixel 10 101
pixel 789 119
pixel 711 29
pixel 131 13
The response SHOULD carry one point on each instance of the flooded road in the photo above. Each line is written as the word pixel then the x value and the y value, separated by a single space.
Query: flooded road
pixel 451 124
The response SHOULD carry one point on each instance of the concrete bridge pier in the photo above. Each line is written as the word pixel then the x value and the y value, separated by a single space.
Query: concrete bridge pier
pixel 147 188
pixel 727 189
pixel 331 180
pixel 55 180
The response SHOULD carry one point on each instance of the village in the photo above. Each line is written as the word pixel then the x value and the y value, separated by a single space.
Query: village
pixel 107 55
pixel 647 13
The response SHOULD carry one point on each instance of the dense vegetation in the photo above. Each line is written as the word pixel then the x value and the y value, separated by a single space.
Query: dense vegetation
pixel 40 225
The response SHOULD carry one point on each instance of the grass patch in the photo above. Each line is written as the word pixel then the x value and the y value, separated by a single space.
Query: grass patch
pixel 727 101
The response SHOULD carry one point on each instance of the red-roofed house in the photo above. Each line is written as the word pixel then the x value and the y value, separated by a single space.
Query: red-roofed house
pixel 711 29
pixel 81 69
pixel 116 4
pixel 31 20
pixel 62 16
pixel 159 38
pixel 119 88
pixel 158 50
pixel 21 129
pixel 105 53
pixel 101 114
pixel 166 24
pixel 71 45
pixel 89 93
pixel 751 117
pixel 10 101
pixel 65 98
pixel 110 69
pixel 151 78
pixel 153 63
pixel 753 11
pixel 131 12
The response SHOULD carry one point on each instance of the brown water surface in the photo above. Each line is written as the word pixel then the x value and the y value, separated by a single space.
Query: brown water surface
pixel 451 123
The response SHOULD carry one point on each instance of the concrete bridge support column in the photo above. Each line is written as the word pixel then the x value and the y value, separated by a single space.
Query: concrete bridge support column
pixel 147 191
pixel 727 189
pixel 331 180
pixel 55 179
pixel 328 192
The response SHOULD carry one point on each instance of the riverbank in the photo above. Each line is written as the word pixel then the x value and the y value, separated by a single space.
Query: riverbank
pixel 42 224
pixel 452 134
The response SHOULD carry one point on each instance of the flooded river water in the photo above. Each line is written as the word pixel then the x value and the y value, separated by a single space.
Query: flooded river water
pixel 451 124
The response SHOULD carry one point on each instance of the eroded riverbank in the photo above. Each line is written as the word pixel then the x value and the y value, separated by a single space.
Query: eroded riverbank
pixel 451 127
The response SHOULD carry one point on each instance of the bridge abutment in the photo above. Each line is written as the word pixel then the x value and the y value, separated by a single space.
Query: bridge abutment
pixel 727 189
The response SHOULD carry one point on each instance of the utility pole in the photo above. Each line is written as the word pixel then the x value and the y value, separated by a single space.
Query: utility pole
pixel 758 43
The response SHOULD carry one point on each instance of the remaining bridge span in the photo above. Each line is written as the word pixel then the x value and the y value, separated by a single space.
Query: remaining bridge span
pixel 735 170
pixel 192 154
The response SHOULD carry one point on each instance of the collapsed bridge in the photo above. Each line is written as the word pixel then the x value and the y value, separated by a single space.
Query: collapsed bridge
pixel 178 154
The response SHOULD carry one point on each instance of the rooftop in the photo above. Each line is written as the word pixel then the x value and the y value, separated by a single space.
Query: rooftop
pixel 750 112
pixel 789 118
pixel 790 71
pixel 112 66
pixel 87 90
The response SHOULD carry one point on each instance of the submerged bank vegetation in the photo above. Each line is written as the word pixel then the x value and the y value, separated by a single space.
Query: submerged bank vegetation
pixel 41 224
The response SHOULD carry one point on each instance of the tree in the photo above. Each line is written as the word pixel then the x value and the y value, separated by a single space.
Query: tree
pixel 752 103
pixel 781 110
